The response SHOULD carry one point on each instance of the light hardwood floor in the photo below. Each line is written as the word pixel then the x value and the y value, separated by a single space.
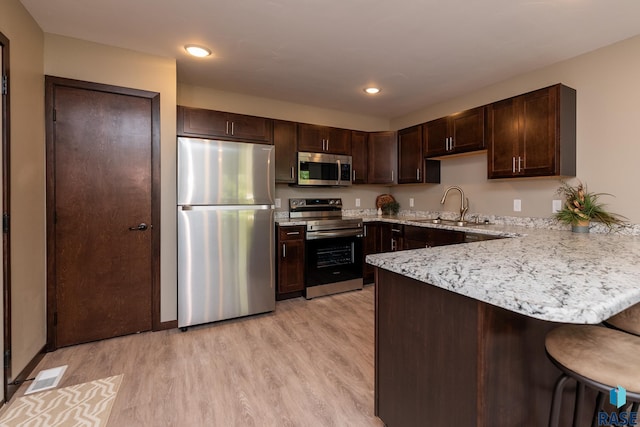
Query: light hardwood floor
pixel 310 363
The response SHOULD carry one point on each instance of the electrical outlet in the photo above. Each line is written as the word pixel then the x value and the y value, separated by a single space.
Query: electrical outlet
pixel 278 203
pixel 411 202
pixel 556 205
pixel 517 205
pixel 357 203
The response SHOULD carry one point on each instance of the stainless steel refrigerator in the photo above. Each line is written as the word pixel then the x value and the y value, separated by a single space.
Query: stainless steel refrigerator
pixel 225 230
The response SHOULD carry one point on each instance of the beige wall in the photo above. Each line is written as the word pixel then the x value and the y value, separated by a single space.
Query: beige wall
pixel 201 97
pixel 28 247
pixel 607 146
pixel 606 81
pixel 82 60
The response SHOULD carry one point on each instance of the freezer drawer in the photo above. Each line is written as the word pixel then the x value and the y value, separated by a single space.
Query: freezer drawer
pixel 225 262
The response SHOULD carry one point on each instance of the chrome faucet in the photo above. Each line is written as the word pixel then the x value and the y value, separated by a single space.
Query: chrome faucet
pixel 464 202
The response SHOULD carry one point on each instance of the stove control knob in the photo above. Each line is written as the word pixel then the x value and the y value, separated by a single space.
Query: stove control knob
pixel 331 202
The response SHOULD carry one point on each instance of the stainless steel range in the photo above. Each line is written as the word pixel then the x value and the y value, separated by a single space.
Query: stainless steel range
pixel 333 246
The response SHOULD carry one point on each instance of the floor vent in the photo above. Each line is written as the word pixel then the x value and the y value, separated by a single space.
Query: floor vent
pixel 49 378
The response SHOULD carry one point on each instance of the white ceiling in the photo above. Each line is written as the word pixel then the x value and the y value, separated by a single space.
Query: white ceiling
pixel 324 52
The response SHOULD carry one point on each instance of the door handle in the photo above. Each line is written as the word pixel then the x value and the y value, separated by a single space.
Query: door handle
pixel 140 227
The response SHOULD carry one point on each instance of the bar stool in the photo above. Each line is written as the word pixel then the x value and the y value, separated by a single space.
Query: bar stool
pixel 596 357
pixel 626 321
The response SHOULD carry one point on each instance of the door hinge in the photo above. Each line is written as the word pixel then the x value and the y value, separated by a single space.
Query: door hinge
pixel 5 223
pixel 5 85
pixel 7 359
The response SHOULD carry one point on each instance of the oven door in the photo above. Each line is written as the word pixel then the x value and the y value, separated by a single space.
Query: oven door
pixel 333 260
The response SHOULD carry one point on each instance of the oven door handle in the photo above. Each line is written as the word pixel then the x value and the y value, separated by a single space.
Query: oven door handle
pixel 315 235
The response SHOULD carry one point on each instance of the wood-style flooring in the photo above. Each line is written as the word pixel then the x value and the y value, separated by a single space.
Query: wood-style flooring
pixel 310 363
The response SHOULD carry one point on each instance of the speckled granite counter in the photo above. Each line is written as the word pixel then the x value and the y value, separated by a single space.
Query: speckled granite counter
pixel 550 275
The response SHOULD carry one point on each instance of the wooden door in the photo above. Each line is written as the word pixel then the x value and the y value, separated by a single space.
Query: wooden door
pixel 100 187
pixel 538 129
pixel 436 133
pixel 359 157
pixel 339 141
pixel 467 130
pixel 311 138
pixel 285 141
pixel 503 134
pixel 410 158
pixel 383 155
pixel 290 259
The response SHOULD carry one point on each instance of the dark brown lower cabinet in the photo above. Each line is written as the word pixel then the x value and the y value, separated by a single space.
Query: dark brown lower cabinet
pixel 443 359
pixel 290 265
pixel 370 245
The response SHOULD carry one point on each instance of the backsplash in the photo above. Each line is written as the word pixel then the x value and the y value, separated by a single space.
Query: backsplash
pixel 547 223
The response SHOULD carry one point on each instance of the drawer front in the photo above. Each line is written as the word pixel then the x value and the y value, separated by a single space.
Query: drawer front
pixel 295 232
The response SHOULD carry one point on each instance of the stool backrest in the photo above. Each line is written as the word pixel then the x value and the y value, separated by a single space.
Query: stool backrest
pixel 627 320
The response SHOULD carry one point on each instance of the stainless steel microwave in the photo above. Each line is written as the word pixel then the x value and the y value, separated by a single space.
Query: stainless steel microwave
pixel 317 169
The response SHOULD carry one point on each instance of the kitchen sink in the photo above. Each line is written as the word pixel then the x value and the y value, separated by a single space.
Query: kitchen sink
pixel 443 221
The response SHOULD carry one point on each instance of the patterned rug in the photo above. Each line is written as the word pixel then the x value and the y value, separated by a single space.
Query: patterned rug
pixel 87 404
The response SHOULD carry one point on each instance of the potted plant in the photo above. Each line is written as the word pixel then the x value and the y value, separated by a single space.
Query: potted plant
pixel 581 207
pixel 391 208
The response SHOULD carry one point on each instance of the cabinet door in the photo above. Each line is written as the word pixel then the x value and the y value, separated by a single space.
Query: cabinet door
pixel 311 138
pixel 338 141
pixel 285 141
pixel 382 153
pixel 250 128
pixel 370 245
pixel 410 158
pixel 359 156
pixel 467 130
pixel 226 126
pixel 439 237
pixel 538 132
pixel 200 122
pixel 436 134
pixel 290 259
pixel 502 138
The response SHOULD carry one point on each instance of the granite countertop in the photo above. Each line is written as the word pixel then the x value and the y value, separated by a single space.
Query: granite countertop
pixel 552 275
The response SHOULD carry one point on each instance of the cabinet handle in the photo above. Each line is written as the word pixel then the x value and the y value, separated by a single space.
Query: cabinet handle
pixel 232 127
pixel 446 144
pixel 354 175
pixel 284 250
pixel 292 175
pixel 226 131
pixel 392 175
pixel 418 174
pixel 519 164
pixel 293 233
pixel 365 231
pixel 450 143
pixel 327 145
pixel 393 244
pixel 513 165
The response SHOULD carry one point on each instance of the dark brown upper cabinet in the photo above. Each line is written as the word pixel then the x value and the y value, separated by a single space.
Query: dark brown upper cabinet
pixel 533 134
pixel 285 139
pixel 324 139
pixel 221 125
pixel 359 157
pixel 458 133
pixel 382 157
pixel 410 156
pixel 412 166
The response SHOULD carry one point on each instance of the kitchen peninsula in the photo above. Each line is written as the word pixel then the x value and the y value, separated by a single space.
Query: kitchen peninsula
pixel 460 329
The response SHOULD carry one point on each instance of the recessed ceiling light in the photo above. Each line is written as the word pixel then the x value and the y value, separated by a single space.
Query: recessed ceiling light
pixel 198 51
pixel 372 90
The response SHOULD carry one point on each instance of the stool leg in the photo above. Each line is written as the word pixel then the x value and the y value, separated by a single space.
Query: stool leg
pixel 556 402
pixel 599 403
pixel 577 408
